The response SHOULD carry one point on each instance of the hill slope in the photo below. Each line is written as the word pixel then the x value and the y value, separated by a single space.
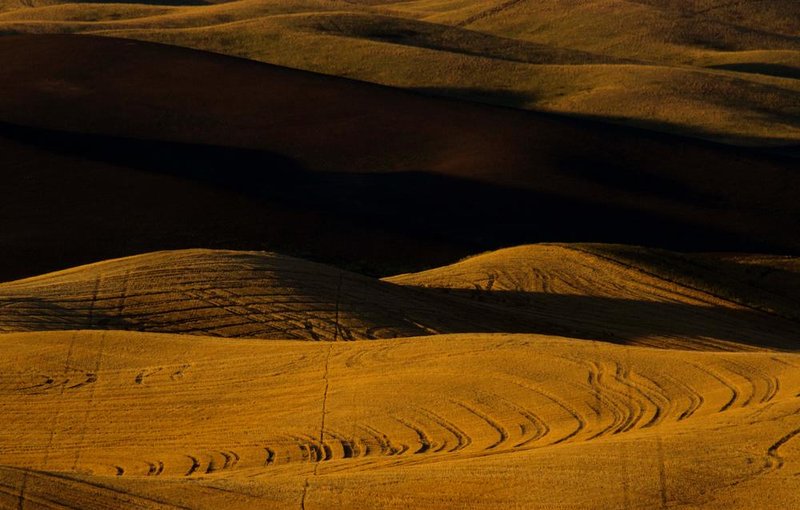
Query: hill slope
pixel 645 297
pixel 99 417
pixel 135 420
pixel 762 282
pixel 237 294
pixel 531 289
pixel 282 149
pixel 721 70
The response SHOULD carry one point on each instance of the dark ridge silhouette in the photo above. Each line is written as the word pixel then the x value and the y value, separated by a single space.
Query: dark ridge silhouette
pixel 113 147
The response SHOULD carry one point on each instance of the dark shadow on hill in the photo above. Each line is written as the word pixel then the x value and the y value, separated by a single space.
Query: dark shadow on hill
pixel 37 314
pixel 769 289
pixel 451 39
pixel 621 321
pixel 776 149
pixel 791 151
pixel 778 70
pixel 747 146
pixel 625 320
pixel 95 197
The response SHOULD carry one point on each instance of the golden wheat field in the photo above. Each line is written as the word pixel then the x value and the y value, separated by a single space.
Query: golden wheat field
pixel 713 69
pixel 254 380
pixel 399 254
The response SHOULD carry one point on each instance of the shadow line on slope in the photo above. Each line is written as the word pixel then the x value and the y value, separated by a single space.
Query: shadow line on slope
pixel 499 97
pixel 624 320
pixel 753 286
pixel 50 316
pixel 778 70
pixel 776 149
pixel 453 39
pixel 615 320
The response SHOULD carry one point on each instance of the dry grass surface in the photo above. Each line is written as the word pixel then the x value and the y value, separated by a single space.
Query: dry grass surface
pixel 539 376
pixel 236 294
pixel 553 289
pixel 168 417
pixel 713 69
pixel 757 282
pixel 134 420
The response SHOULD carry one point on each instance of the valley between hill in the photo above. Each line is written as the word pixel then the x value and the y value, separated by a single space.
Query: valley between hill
pixel 148 147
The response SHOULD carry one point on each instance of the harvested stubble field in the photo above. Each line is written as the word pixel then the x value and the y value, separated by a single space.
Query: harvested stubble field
pixel 170 380
pixel 201 200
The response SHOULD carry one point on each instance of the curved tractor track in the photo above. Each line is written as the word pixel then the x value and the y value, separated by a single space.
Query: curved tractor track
pixel 220 411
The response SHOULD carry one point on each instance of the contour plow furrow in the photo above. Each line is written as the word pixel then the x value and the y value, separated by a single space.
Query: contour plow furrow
pixel 730 387
pixel 624 410
pixel 765 387
pixel 532 428
pixel 622 401
pixel 194 467
pixel 603 407
pixel 633 407
pixel 460 438
pixel 155 468
pixel 385 445
pixel 577 419
pixel 695 399
pixel 494 425
pixel 425 442
pixel 748 389
pixel 328 410
pixel 342 448
pixel 651 400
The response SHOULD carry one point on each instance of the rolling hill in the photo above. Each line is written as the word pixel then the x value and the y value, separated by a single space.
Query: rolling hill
pixel 439 254
pixel 136 420
pixel 540 289
pixel 190 149
pixel 719 70
pixel 237 294
pixel 117 397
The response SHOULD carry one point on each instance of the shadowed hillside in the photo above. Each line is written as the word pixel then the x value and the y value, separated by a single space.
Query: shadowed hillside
pixel 249 156
pixel 238 294
pixel 543 289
